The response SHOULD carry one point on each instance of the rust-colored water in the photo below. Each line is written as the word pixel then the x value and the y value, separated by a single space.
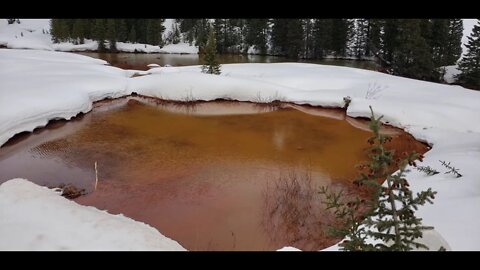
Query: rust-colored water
pixel 207 175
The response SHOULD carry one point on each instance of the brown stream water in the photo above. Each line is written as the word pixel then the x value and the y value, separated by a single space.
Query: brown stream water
pixel 210 175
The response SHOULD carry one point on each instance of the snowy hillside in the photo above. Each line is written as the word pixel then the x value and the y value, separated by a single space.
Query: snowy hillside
pixel 60 85
pixel 34 34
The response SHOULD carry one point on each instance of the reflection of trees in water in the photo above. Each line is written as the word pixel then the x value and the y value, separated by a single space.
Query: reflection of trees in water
pixel 293 213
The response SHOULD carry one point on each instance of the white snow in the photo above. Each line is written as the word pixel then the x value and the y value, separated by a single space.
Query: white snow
pixel 41 85
pixel 38 218
pixel 182 48
pixel 36 35
pixel 467 30
pixel 450 73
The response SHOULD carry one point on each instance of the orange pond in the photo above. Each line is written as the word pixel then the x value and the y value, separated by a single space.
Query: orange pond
pixel 213 176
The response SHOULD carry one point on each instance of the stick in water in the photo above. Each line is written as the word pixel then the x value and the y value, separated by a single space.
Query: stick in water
pixel 96 176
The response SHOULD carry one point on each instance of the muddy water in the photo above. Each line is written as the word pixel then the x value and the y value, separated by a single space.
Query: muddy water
pixel 213 176
pixel 141 60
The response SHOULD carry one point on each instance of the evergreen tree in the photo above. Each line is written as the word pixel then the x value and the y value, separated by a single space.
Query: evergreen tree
pixel 294 40
pixel 121 30
pixel 341 35
pixel 154 31
pixel 222 35
pixel 390 217
pixel 87 27
pixel 390 40
pixel 78 32
pixel 99 33
pixel 132 36
pixel 308 42
pixel 322 37
pixel 439 44
pixel 287 37
pixel 54 30
pixel 211 66
pixel 174 37
pixel 361 35
pixel 187 26
pixel 279 36
pixel 201 28
pixel 469 65
pixel 59 30
pixel 454 42
pixel 413 57
pixel 374 37
pixel 256 34
pixel 111 35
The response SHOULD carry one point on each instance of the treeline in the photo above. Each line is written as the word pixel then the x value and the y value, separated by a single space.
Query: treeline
pixel 414 48
pixel 148 31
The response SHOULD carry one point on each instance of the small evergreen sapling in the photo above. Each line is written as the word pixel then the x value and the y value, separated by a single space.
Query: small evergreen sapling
pixel 389 219
pixel 211 65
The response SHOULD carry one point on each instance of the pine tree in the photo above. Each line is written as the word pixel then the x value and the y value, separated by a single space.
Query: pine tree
pixel 390 217
pixel 412 57
pixel 294 40
pixel 202 28
pixel 279 36
pixel 132 36
pixel 322 37
pixel 256 34
pixel 469 65
pixel 59 30
pixel 154 31
pixel 211 66
pixel 121 30
pixel 222 34
pixel 111 35
pixel 187 27
pixel 308 42
pixel 374 37
pixel 99 33
pixel 439 41
pixel 78 32
pixel 454 43
pixel 174 37
pixel 341 35
pixel 390 40
pixel 361 35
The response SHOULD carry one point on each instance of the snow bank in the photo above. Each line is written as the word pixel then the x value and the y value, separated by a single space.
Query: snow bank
pixel 38 86
pixel 38 218
pixel 183 48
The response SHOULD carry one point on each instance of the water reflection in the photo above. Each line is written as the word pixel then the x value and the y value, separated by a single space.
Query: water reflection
pixel 198 172
pixel 141 60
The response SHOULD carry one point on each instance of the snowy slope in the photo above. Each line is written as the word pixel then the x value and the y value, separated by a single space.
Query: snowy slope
pixel 48 85
pixel 34 34
pixel 38 218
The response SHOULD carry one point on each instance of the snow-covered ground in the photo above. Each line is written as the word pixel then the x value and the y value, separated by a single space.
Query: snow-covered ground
pixel 41 85
pixel 38 218
pixel 35 34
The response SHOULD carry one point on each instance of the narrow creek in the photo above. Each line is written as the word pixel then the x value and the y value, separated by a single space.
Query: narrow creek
pixel 210 175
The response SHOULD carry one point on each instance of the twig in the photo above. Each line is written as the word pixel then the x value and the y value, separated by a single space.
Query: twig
pixel 96 175
pixel 452 169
